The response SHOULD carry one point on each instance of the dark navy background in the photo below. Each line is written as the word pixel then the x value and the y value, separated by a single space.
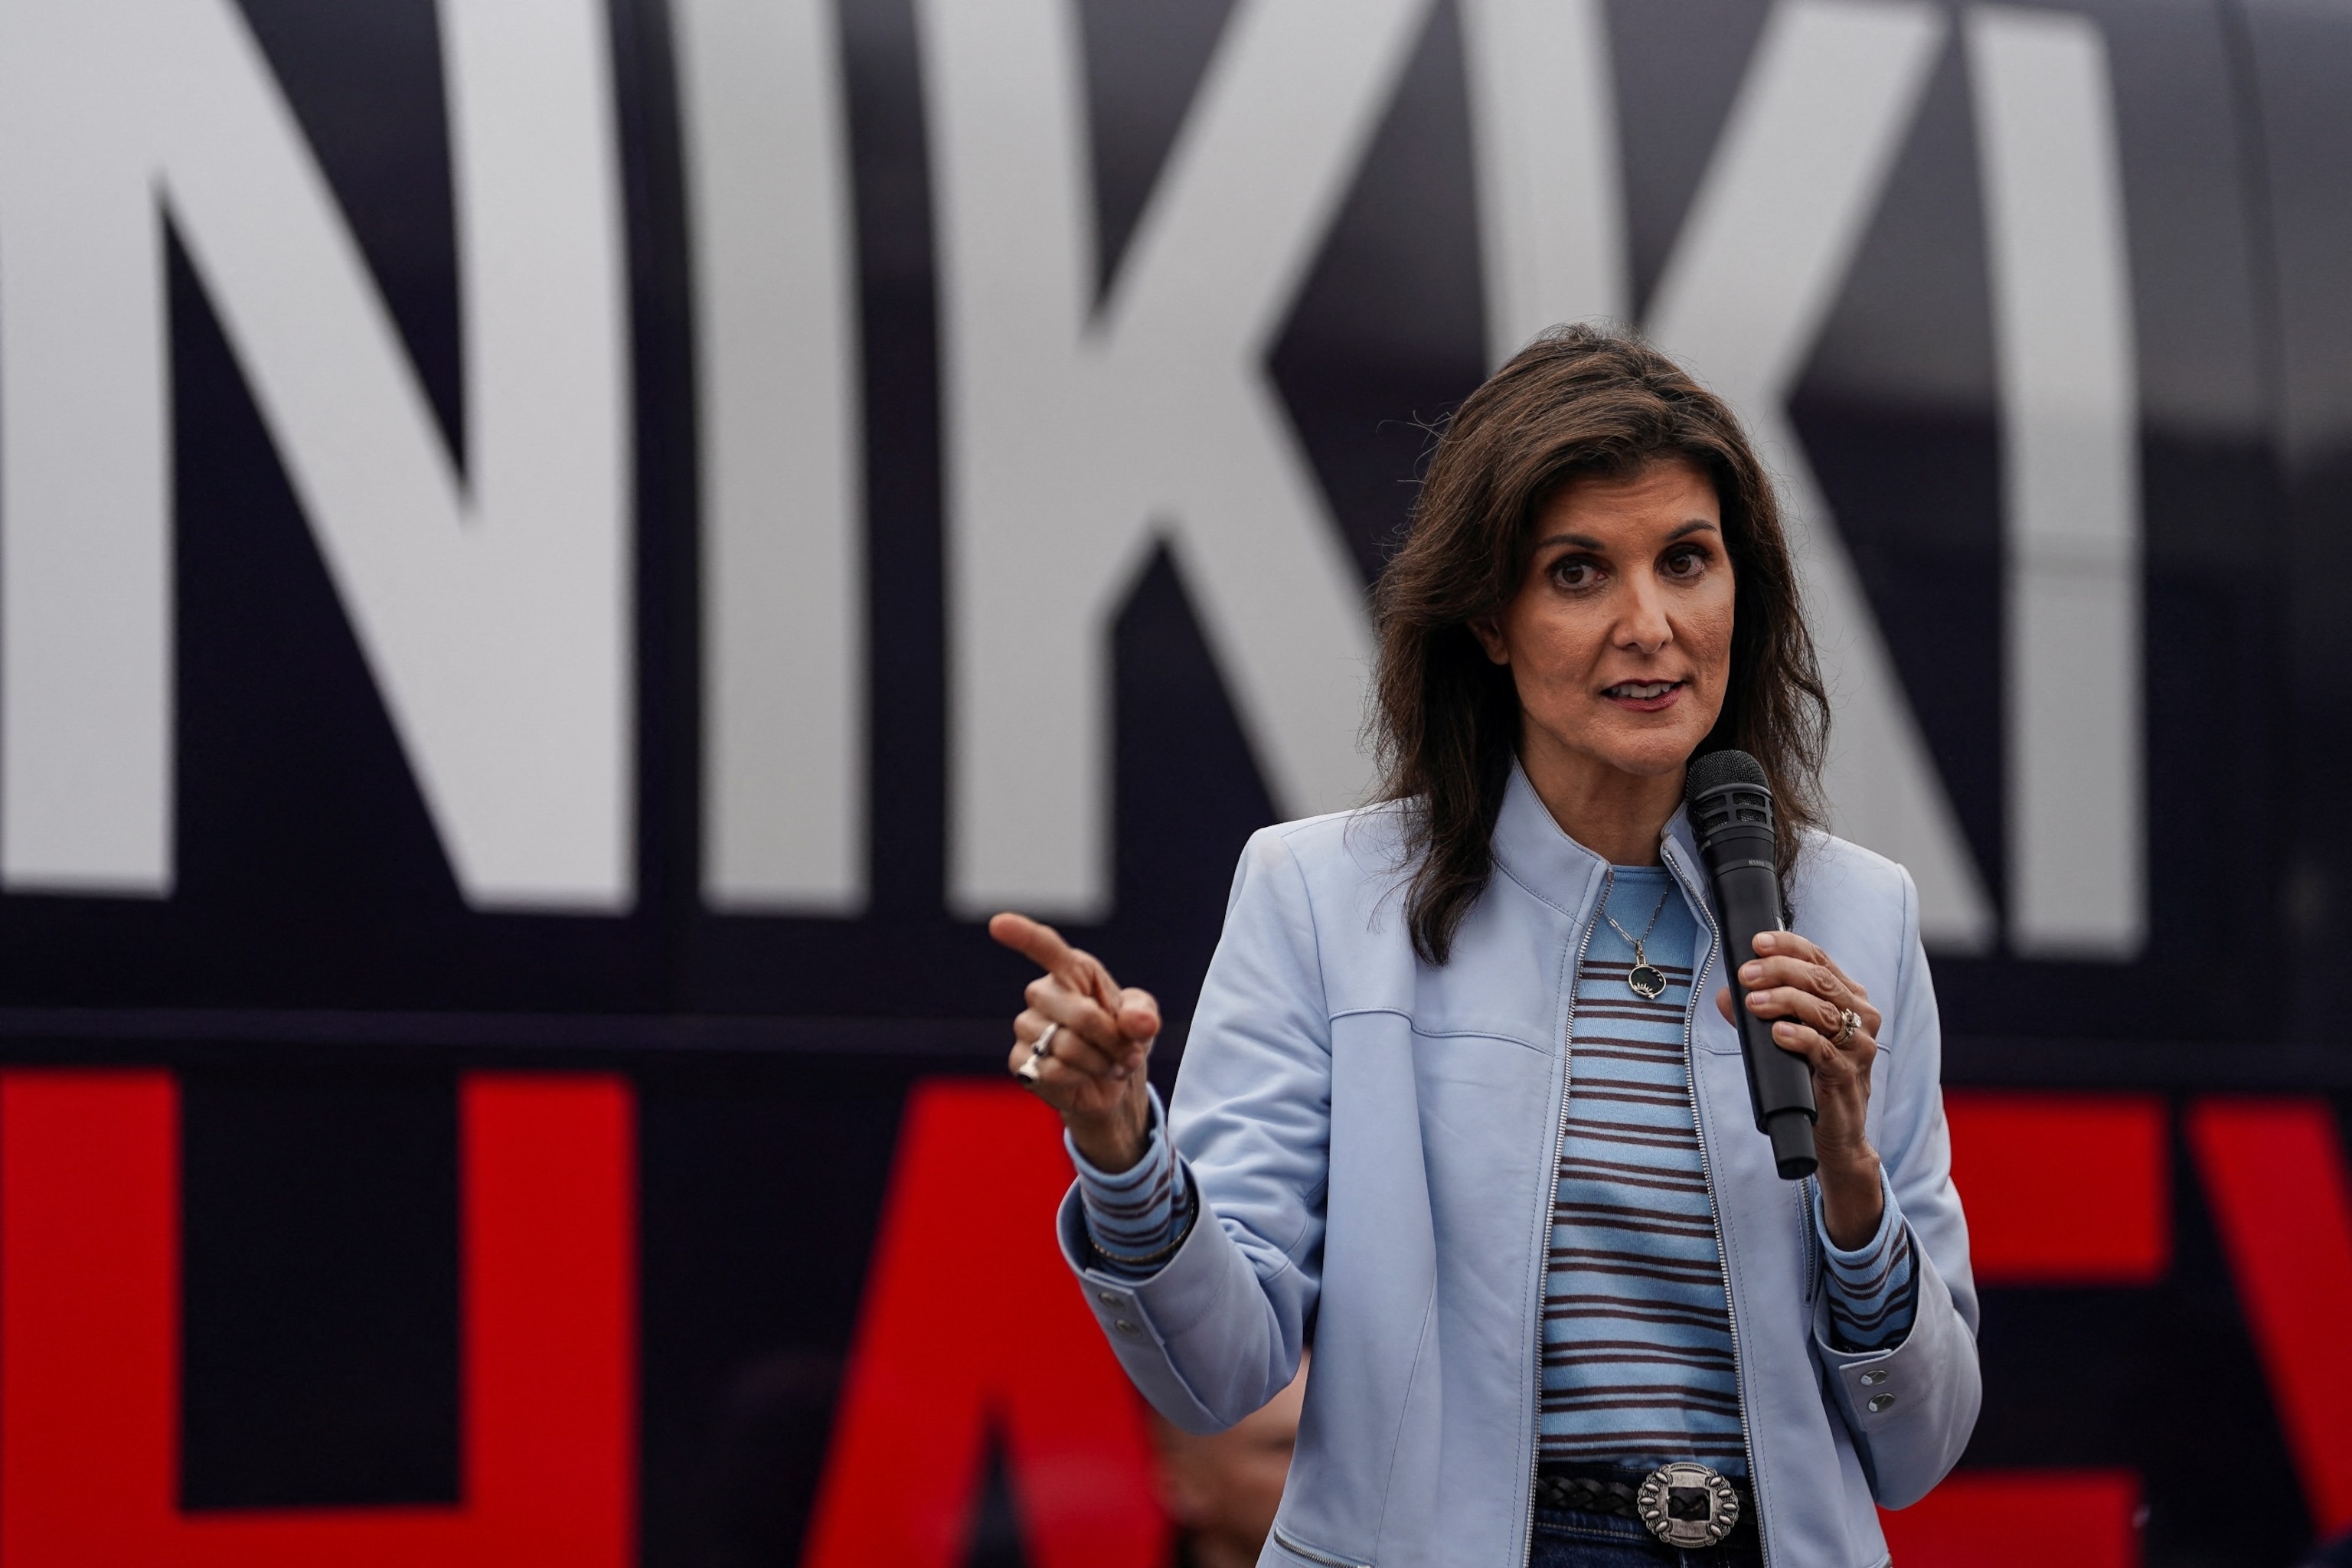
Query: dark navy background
pixel 319 981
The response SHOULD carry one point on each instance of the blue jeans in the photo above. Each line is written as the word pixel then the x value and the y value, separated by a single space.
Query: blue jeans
pixel 1574 1538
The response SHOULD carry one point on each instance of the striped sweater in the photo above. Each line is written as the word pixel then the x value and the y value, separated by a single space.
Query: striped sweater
pixel 1637 1365
pixel 1637 1353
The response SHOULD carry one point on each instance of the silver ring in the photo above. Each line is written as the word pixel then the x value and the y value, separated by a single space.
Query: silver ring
pixel 1850 1021
pixel 1041 1050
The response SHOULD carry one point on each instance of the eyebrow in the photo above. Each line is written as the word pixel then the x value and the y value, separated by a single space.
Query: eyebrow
pixel 1586 541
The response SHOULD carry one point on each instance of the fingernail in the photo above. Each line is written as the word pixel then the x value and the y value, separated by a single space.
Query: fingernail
pixel 1749 973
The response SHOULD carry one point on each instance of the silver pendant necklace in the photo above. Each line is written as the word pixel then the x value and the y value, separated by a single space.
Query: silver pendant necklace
pixel 1644 980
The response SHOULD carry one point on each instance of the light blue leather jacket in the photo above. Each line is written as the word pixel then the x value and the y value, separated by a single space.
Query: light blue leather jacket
pixel 1376 1142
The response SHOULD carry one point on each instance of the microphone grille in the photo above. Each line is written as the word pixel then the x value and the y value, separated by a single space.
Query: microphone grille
pixel 1726 790
pixel 1716 769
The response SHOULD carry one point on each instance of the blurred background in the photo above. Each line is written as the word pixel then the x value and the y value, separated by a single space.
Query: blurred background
pixel 555 555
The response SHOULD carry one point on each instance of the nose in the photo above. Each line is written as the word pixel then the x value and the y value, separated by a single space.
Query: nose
pixel 1642 628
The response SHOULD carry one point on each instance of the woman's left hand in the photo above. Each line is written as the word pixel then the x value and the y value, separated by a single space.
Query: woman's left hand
pixel 1806 995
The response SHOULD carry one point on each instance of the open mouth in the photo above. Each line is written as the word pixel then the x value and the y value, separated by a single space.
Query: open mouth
pixel 1643 693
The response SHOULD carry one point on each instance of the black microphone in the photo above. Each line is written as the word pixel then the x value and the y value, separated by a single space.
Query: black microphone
pixel 1732 813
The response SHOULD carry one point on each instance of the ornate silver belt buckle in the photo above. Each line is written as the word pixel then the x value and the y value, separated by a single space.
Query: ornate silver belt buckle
pixel 1684 1504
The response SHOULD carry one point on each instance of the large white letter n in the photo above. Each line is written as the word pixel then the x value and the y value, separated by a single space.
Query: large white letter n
pixel 492 607
pixel 1076 436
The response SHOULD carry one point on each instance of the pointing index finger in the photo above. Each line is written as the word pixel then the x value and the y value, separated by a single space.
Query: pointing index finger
pixel 1035 940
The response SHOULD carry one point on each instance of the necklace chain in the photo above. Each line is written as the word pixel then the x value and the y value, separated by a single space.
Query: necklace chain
pixel 1646 929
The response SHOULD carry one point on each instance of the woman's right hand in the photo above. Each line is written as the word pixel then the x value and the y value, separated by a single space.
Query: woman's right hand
pixel 1093 1073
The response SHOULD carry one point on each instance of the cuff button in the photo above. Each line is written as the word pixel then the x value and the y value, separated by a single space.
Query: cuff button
pixel 1124 1327
pixel 1107 1297
pixel 1869 1379
pixel 1879 1402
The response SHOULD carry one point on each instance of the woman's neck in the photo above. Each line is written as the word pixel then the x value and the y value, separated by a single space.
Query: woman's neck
pixel 1618 815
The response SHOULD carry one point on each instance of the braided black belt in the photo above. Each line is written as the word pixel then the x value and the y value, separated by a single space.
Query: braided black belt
pixel 1619 1492
pixel 1586 1494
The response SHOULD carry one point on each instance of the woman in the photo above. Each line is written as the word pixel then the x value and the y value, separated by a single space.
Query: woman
pixel 1451 1106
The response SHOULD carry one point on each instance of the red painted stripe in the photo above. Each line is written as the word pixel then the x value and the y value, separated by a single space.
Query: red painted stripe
pixel 2063 1189
pixel 972 1326
pixel 2021 1519
pixel 90 1336
pixel 2274 1176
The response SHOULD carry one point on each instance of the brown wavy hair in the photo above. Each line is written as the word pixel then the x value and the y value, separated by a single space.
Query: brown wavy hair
pixel 1581 400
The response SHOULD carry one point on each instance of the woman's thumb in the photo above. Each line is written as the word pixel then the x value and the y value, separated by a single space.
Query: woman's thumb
pixel 1138 1015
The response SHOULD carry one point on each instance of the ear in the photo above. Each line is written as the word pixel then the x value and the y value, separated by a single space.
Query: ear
pixel 1490 637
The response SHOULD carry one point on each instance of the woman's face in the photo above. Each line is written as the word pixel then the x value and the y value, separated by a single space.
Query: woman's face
pixel 1619 639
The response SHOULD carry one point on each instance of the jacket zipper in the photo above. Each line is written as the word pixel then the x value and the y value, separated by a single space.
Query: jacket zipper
pixel 1297 1548
pixel 1722 1257
pixel 1543 1282
pixel 1813 1265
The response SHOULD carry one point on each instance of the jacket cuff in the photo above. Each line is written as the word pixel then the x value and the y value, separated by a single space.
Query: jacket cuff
pixel 1909 1406
pixel 1138 1315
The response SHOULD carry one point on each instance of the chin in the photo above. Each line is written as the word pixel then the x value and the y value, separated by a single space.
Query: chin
pixel 1653 748
pixel 1653 767
pixel 1655 756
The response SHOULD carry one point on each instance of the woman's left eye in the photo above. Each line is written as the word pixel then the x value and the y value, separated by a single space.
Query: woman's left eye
pixel 1686 563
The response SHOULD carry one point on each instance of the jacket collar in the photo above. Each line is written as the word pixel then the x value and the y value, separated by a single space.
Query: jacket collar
pixel 1530 846
pixel 1680 841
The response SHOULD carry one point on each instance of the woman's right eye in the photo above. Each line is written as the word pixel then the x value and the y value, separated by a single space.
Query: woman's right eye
pixel 1573 573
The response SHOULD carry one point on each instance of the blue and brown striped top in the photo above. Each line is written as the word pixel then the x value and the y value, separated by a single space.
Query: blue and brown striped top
pixel 1637 1361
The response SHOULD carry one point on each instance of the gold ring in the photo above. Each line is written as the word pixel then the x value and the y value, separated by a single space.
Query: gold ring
pixel 1850 1021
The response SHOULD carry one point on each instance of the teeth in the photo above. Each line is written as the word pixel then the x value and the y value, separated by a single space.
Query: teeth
pixel 1642 691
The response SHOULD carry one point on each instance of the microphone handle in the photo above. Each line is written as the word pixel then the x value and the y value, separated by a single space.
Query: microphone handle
pixel 1779 1082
